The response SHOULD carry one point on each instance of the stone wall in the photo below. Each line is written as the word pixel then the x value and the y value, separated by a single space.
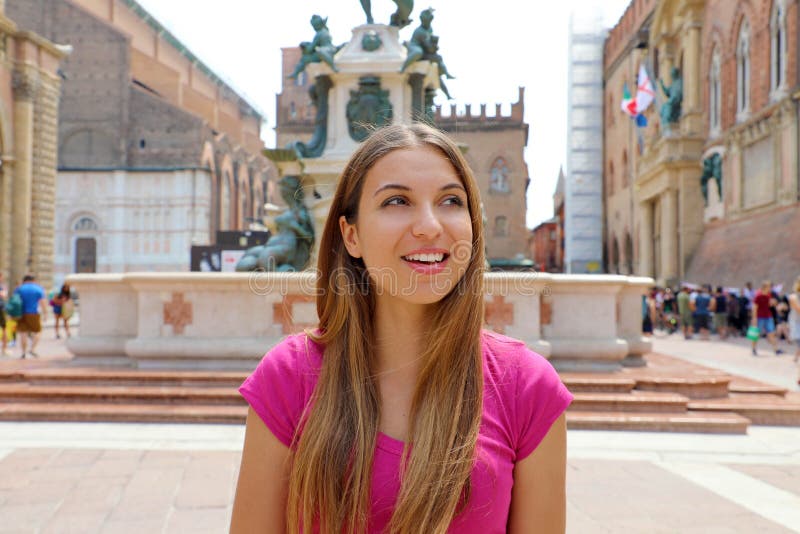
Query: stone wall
pixel 94 120
pixel 160 134
pixel 224 320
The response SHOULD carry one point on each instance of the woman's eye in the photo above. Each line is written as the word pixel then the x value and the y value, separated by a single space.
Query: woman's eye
pixel 454 201
pixel 394 201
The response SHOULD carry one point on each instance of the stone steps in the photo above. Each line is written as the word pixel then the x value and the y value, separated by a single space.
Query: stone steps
pixel 114 394
pixel 635 401
pixel 122 413
pixel 583 383
pixel 122 377
pixel 667 395
pixel 705 422
pixel 761 409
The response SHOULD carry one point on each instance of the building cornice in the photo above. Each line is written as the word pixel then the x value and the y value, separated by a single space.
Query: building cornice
pixel 163 32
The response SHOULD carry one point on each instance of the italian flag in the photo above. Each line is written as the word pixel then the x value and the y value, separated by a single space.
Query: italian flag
pixel 628 103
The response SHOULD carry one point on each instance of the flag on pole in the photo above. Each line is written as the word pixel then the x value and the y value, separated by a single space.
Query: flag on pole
pixel 628 103
pixel 645 92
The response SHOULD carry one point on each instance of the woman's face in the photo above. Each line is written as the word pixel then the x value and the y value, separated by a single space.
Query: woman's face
pixel 413 230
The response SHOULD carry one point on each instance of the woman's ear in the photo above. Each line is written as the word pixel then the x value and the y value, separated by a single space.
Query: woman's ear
pixel 350 237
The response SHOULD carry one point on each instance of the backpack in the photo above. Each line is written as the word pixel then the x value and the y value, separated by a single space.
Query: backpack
pixel 14 306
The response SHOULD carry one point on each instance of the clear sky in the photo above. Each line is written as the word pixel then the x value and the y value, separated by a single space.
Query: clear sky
pixel 491 47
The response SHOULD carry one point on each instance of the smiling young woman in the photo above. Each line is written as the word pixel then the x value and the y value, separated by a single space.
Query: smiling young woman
pixel 399 413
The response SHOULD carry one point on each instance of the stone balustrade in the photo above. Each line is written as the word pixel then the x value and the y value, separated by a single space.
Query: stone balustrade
pixel 229 320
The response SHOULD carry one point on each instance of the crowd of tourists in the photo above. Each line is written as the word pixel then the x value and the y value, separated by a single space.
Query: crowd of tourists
pixel 768 312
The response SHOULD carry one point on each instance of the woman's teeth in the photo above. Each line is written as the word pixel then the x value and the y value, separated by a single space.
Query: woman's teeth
pixel 426 258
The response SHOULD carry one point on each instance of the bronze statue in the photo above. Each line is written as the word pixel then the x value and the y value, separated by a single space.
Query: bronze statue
pixel 712 169
pixel 320 49
pixel 671 109
pixel 399 18
pixel 290 248
pixel 318 93
pixel 424 45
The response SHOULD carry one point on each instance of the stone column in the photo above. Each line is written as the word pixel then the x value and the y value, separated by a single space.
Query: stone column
pixel 691 77
pixel 669 236
pixel 25 85
pixel 646 239
pixel 43 195
pixel 6 179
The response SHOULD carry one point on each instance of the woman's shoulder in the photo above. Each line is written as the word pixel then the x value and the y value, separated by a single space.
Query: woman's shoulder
pixel 280 387
pixel 297 352
pixel 505 351
pixel 525 387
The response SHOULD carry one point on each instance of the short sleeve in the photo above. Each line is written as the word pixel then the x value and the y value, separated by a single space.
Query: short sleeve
pixel 280 387
pixel 541 398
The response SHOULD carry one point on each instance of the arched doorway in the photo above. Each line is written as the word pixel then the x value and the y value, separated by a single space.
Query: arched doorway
pixel 86 255
pixel 85 231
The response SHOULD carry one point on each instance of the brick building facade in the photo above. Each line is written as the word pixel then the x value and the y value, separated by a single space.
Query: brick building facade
pixel 495 142
pixel 739 65
pixel 546 241
pixel 29 107
pixel 155 152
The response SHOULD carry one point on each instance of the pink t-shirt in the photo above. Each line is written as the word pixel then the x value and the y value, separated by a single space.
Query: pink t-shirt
pixel 522 398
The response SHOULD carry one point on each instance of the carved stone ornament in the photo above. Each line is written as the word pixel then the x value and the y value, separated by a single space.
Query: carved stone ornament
pixel 369 108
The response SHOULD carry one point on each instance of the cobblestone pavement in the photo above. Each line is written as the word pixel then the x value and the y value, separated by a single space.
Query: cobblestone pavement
pixel 118 478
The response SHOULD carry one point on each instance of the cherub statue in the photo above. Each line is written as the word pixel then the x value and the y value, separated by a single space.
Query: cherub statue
pixel 320 49
pixel 425 45
pixel 290 248
pixel 399 18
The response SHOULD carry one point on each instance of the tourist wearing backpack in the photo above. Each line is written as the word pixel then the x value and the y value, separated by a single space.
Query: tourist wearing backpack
pixel 30 324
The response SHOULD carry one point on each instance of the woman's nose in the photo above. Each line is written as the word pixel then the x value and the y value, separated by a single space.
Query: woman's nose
pixel 427 223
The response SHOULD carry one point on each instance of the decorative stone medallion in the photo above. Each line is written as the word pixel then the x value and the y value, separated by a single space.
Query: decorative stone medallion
pixel 369 108
pixel 371 41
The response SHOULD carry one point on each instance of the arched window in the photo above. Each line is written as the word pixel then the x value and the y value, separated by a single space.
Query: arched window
pixel 498 180
pixel 611 109
pixel 85 224
pixel 625 170
pixel 778 49
pixel 743 72
pixel 300 81
pixel 628 254
pixel 613 268
pixel 225 203
pixel 610 178
pixel 714 93
pixel 292 110
pixel 501 226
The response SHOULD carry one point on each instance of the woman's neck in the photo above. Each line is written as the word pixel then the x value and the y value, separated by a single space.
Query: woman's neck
pixel 400 338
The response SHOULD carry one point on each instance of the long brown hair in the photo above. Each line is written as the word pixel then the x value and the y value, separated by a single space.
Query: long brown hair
pixel 331 470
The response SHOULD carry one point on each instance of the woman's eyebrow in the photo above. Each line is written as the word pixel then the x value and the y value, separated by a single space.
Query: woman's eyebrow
pixel 453 185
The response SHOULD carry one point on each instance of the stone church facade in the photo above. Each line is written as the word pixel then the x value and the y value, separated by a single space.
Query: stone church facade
pixel 155 152
pixel 29 106
pixel 739 66
pixel 495 153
